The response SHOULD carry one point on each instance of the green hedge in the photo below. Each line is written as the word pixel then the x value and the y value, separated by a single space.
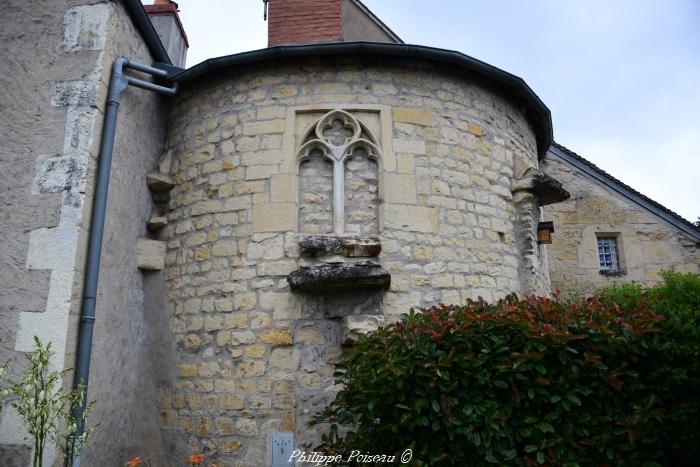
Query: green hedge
pixel 528 382
pixel 674 363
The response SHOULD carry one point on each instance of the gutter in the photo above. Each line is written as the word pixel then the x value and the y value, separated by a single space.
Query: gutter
pixel 117 85
pixel 514 87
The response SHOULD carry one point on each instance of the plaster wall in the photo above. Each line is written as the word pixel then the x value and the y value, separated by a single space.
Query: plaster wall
pixel 647 244
pixel 256 358
pixel 131 345
pixel 50 74
pixel 56 72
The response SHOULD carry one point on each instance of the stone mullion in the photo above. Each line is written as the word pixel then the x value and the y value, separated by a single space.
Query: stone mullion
pixel 336 155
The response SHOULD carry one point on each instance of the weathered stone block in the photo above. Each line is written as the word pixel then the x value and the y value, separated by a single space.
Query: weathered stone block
pixel 225 248
pixel 275 217
pixel 406 163
pixel 283 188
pixel 156 223
pixel 159 182
pixel 321 245
pixel 285 359
pixel 399 188
pixel 410 146
pixel 475 129
pixel 330 276
pixel 412 218
pixel 247 369
pixel 410 115
pixel 356 326
pixel 257 172
pixel 310 336
pixel 150 254
pixel 264 127
pixel 188 370
pixel 278 336
pixel 276 268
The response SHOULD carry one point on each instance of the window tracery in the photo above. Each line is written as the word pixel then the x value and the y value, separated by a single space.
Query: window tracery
pixel 339 137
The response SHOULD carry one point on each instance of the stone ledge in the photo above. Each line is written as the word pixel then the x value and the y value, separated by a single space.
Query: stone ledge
pixel 335 276
pixel 352 247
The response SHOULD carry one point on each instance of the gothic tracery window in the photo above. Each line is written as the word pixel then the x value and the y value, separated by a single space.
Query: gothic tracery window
pixel 339 177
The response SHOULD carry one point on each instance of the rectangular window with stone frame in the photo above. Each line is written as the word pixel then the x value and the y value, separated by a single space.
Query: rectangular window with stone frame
pixel 609 255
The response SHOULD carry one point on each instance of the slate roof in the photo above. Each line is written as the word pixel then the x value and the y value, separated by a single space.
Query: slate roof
pixel 627 191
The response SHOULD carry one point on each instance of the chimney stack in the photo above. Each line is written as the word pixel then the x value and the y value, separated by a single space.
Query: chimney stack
pixel 166 22
pixel 309 21
pixel 304 21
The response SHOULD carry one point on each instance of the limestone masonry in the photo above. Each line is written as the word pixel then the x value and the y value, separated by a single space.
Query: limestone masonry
pixel 282 203
pixel 256 356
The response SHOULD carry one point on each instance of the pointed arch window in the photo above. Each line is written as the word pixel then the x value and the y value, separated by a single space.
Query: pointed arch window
pixel 336 138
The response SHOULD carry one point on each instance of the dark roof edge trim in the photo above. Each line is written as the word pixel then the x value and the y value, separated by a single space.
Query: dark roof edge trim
pixel 537 112
pixel 143 24
pixel 377 21
pixel 642 201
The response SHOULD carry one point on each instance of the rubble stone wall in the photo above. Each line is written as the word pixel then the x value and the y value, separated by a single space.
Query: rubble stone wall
pixel 255 357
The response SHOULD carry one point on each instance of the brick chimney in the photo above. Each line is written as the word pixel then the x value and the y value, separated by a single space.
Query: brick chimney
pixel 309 21
pixel 304 21
pixel 166 22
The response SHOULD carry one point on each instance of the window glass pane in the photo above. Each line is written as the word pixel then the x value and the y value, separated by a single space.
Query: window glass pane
pixel 607 253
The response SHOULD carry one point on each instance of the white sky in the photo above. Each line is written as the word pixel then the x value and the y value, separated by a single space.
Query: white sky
pixel 622 78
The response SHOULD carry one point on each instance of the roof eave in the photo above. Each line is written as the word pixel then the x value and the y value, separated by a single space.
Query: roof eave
pixel 536 111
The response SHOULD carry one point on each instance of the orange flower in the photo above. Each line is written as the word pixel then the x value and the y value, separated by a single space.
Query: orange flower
pixel 196 459
pixel 135 462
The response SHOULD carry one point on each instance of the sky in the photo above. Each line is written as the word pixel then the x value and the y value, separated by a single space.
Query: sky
pixel 621 78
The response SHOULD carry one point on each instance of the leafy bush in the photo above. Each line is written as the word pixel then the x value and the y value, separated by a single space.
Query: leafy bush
pixel 674 362
pixel 674 358
pixel 45 408
pixel 521 382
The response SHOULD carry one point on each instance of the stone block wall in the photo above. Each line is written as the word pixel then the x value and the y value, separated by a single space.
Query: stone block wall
pixel 255 357
pixel 647 244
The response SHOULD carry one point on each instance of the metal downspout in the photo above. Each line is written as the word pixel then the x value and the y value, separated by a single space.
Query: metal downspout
pixel 117 85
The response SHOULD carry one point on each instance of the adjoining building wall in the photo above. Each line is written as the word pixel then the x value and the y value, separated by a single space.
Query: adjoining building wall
pixel 357 26
pixel 132 344
pixel 55 75
pixel 256 357
pixel 646 243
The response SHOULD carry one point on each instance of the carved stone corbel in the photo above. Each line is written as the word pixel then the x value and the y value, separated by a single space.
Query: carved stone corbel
pixel 547 189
